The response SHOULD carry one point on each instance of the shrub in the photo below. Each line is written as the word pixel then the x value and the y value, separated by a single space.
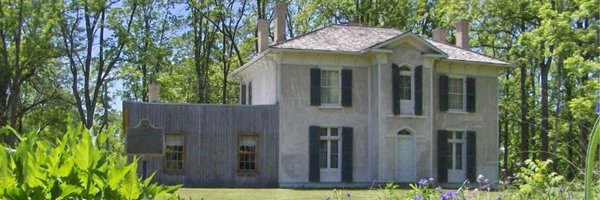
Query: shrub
pixel 75 166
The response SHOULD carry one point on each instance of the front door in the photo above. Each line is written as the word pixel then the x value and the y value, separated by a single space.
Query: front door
pixel 405 160
pixel 456 157
pixel 330 162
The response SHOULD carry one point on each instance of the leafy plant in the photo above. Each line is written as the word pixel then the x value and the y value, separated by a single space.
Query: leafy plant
pixel 590 161
pixel 75 166
pixel 536 179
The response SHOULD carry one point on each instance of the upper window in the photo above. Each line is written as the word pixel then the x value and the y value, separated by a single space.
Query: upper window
pixel 405 83
pixel 247 152
pixel 330 87
pixel 456 94
pixel 174 152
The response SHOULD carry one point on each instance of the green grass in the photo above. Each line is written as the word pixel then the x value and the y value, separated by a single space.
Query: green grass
pixel 274 193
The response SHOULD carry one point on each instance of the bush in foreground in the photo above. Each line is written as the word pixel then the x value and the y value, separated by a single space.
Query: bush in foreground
pixel 76 166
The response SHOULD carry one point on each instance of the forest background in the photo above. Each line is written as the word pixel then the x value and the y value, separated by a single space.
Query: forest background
pixel 71 61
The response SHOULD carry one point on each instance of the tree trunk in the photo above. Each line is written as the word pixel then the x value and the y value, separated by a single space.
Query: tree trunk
pixel 544 68
pixel 524 147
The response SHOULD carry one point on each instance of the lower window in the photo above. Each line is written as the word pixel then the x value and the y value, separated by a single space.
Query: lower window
pixel 247 152
pixel 455 150
pixel 174 152
pixel 330 148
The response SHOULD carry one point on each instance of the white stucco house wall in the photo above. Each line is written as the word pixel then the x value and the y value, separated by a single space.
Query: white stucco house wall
pixel 360 104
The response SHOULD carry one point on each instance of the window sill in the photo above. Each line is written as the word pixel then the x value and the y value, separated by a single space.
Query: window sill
pixel 247 172
pixel 169 172
pixel 457 112
pixel 330 107
pixel 406 116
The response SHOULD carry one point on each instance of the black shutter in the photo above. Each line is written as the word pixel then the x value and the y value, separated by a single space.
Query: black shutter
pixel 347 145
pixel 315 87
pixel 419 90
pixel 442 146
pixel 249 93
pixel 314 170
pixel 346 87
pixel 395 89
pixel 470 94
pixel 471 156
pixel 444 93
pixel 243 94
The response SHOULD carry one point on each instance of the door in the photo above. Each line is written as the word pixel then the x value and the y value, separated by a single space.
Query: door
pixel 456 157
pixel 405 160
pixel 331 151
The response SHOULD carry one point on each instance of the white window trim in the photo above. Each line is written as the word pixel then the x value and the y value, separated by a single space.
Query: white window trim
pixel 464 96
pixel 339 101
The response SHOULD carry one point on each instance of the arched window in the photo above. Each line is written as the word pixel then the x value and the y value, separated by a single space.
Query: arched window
pixel 404 132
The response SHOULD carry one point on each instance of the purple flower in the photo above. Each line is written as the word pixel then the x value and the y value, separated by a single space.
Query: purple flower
pixel 423 182
pixel 561 190
pixel 570 196
pixel 598 104
pixel 418 197
pixel 449 195
pixel 430 179
pixel 480 178
pixel 348 194
pixel 485 180
pixel 503 170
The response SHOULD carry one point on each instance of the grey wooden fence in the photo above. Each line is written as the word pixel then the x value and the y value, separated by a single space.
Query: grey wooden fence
pixel 211 138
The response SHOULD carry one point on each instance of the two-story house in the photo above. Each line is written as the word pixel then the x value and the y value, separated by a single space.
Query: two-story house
pixel 344 104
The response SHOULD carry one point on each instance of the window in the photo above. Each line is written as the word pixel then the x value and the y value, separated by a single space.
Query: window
pixel 455 150
pixel 330 87
pixel 405 83
pixel 174 152
pixel 247 144
pixel 330 148
pixel 246 94
pixel 456 94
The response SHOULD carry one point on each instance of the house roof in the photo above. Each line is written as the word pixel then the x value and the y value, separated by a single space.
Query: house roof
pixel 360 39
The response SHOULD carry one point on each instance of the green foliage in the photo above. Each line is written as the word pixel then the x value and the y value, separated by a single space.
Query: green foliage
pixel 536 179
pixel 590 160
pixel 74 166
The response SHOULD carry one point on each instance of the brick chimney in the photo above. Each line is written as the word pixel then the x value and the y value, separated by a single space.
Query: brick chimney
pixel 279 19
pixel 153 90
pixel 462 33
pixel 439 35
pixel 263 35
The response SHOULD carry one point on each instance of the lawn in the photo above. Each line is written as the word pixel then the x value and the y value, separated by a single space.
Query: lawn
pixel 274 193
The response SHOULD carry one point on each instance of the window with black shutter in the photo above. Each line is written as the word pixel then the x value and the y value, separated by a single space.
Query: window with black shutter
pixel 346 87
pixel 315 86
pixel 243 94
pixel 347 148
pixel 314 172
pixel 249 93
pixel 471 156
pixel 330 87
pixel 443 93
pixel 471 94
pixel 442 153
pixel 418 102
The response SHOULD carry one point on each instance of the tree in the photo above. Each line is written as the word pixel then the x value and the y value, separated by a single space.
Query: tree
pixel 27 32
pixel 90 55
